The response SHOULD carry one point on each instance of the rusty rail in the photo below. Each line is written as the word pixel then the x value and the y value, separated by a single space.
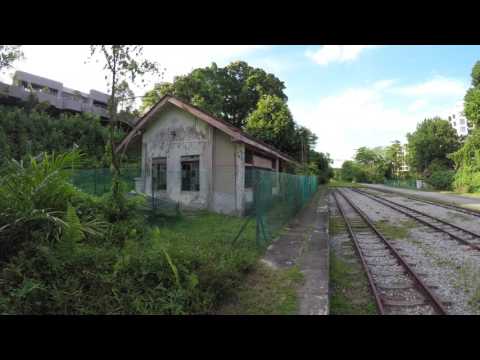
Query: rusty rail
pixel 436 203
pixel 399 207
pixel 422 287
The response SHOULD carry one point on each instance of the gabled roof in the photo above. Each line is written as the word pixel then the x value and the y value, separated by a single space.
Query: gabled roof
pixel 222 125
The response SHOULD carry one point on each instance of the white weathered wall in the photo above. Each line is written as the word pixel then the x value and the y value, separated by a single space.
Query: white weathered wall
pixel 175 133
pixel 228 175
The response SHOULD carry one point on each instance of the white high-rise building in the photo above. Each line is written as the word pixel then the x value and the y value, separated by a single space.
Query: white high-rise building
pixel 458 121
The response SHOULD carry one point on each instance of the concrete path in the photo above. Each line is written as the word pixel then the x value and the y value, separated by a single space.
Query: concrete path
pixel 458 200
pixel 304 242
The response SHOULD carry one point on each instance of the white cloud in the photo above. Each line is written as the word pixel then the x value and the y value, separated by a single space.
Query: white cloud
pixel 363 116
pixel 66 63
pixel 181 59
pixel 417 104
pixel 336 53
pixel 438 86
pixel 383 84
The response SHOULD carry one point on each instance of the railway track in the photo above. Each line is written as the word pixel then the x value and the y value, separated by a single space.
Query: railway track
pixel 396 287
pixel 461 235
pixel 446 206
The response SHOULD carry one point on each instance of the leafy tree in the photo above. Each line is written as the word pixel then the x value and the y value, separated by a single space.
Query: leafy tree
pixel 433 140
pixel 322 163
pixel 467 164
pixel 352 171
pixel 472 97
pixel 272 122
pixel 472 106
pixel 230 93
pixel 476 74
pixel 393 154
pixel 374 162
pixel 303 144
pixel 9 54
pixel 123 64
pixel 367 156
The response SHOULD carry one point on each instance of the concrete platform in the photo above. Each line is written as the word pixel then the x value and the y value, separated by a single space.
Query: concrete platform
pixel 304 242
pixel 459 200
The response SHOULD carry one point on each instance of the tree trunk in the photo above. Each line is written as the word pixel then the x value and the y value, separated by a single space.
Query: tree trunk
pixel 113 119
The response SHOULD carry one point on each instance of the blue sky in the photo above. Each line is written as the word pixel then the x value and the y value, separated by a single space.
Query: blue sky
pixel 350 96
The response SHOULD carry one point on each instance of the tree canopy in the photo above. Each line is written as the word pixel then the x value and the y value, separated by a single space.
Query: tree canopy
pixel 231 92
pixel 434 139
pixel 472 97
pixel 273 123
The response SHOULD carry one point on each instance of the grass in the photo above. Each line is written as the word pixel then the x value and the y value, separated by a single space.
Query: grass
pixel 336 225
pixel 266 291
pixel 400 231
pixel 350 293
pixel 472 195
pixel 340 183
pixel 203 225
pixel 171 265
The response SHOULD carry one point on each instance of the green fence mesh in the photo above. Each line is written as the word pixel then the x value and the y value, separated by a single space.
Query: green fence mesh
pixel 272 199
pixel 401 183
pixel 98 181
pixel 276 199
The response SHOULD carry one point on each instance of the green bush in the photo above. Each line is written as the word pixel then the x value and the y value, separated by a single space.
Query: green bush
pixel 79 254
pixel 441 179
pixel 467 179
pixel 467 161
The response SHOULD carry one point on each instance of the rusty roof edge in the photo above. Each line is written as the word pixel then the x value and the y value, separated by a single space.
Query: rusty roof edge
pixel 236 131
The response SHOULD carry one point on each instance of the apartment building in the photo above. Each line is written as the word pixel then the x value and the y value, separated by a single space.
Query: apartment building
pixel 53 92
pixel 401 159
pixel 459 122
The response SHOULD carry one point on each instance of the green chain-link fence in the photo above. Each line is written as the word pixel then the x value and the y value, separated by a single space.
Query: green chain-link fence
pixel 272 199
pixel 98 181
pixel 276 199
pixel 406 184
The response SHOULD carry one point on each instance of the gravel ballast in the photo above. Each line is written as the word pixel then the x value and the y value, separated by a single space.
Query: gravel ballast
pixel 451 269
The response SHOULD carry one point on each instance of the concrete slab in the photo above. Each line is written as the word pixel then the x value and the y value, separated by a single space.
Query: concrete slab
pixel 304 243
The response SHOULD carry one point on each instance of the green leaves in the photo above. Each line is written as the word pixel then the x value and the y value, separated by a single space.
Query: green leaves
pixel 230 93
pixel 273 123
pixel 9 54
pixel 472 105
pixel 29 133
pixel 433 139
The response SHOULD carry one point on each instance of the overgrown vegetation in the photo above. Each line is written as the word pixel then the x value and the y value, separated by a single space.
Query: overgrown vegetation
pixel 72 253
pixel 25 132
pixel 350 294
pixel 266 291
